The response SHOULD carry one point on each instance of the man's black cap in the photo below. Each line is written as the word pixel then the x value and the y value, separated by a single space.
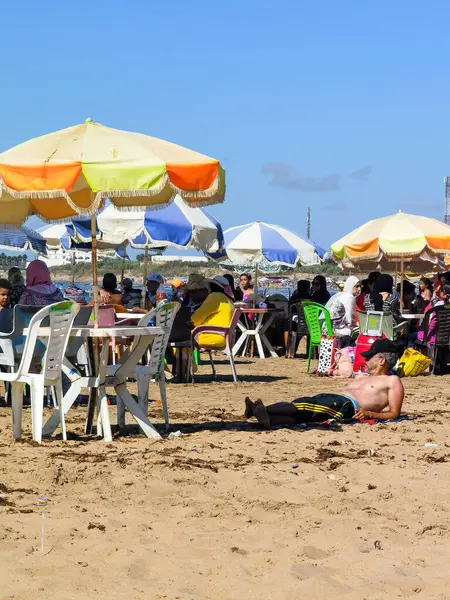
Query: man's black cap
pixel 380 346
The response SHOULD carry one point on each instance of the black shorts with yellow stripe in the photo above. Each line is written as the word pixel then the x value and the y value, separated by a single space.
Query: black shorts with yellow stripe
pixel 323 407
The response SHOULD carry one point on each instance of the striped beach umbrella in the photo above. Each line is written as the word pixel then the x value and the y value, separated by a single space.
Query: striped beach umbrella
pixel 179 226
pixel 19 240
pixel 259 243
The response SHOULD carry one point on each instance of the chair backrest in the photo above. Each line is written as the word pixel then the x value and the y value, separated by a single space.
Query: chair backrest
pixel 442 329
pixel 296 308
pixel 75 347
pixel 165 316
pixel 376 323
pixel 61 317
pixel 106 316
pixel 314 312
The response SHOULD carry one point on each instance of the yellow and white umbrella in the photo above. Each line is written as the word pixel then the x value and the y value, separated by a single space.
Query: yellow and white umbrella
pixel 390 241
pixel 70 172
pixel 394 243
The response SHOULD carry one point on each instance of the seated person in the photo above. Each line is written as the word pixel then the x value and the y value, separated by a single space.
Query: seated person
pixel 177 286
pixel 303 292
pixel 236 292
pixel 6 313
pixel 382 299
pixel 344 324
pixel 441 298
pixel 131 297
pixel 17 282
pixel 245 286
pixel 409 295
pixel 108 293
pixel 195 291
pixel 363 398
pixel 154 280
pixel 320 293
pixel 5 290
pixel 366 288
pixel 40 289
pixel 216 309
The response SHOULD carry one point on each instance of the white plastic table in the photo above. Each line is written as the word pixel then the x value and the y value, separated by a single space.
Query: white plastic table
pixel 259 332
pixel 97 382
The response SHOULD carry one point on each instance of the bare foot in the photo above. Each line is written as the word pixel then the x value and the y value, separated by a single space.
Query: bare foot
pixel 260 412
pixel 249 406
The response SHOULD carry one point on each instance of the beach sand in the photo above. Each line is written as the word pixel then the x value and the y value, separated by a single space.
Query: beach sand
pixel 228 511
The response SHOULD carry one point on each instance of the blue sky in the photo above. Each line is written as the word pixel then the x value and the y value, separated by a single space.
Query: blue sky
pixel 340 106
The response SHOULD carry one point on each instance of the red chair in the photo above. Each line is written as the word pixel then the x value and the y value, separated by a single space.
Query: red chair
pixel 228 334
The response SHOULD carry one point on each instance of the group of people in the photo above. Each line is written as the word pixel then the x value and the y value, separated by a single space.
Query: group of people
pixel 212 302
pixel 36 289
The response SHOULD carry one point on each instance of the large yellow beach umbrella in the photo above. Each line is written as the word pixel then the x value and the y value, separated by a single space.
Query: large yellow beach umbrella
pixel 71 172
pixel 394 243
pixel 389 241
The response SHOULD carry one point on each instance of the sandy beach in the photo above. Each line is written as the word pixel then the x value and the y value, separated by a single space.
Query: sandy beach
pixel 227 511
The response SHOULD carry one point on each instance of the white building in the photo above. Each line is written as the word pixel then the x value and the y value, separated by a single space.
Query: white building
pixel 59 257
pixel 182 258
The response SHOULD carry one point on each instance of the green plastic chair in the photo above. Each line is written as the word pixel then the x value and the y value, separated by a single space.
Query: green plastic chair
pixel 315 315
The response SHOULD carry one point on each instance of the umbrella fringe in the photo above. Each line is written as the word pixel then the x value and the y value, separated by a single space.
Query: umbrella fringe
pixel 195 199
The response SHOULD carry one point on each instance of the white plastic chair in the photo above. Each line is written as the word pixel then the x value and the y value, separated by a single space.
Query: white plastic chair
pixel 164 316
pixel 61 316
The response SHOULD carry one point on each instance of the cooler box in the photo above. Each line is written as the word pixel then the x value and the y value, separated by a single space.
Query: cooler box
pixel 363 343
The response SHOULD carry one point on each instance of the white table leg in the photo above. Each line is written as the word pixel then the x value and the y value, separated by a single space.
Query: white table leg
pixel 103 424
pixel 259 346
pixel 137 412
pixel 268 345
pixel 242 340
pixel 126 370
pixel 262 333
pixel 102 400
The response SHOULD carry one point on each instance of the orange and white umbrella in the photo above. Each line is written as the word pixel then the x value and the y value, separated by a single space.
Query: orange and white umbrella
pixel 387 242
pixel 70 172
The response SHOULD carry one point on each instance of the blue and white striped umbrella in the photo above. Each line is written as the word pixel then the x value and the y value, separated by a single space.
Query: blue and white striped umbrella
pixel 178 225
pixel 258 243
pixel 61 236
pixel 22 239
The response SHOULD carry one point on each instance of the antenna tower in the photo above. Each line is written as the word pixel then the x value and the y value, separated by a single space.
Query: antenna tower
pixel 447 200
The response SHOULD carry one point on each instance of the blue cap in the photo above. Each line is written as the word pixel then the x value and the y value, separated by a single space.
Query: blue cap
pixel 155 277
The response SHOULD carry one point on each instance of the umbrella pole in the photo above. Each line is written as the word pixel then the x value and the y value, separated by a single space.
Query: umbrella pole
pixel 94 268
pixel 144 291
pixel 123 272
pixel 73 267
pixel 402 267
pixel 256 285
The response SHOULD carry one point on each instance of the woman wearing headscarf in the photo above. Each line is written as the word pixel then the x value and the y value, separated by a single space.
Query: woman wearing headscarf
pixel 320 294
pixel 343 324
pixel 40 289
pixel 382 299
pixel 17 282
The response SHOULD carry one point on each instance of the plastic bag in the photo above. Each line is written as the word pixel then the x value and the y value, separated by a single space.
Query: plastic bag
pixel 343 363
pixel 412 363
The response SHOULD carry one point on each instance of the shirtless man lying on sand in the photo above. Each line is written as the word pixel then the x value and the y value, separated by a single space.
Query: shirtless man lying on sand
pixel 363 398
